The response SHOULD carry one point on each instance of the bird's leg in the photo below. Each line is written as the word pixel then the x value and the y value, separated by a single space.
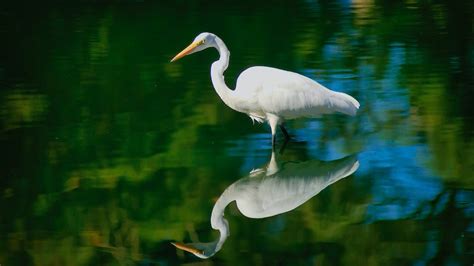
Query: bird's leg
pixel 285 133
pixel 273 122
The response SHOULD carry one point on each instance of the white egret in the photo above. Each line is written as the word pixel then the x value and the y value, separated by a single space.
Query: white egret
pixel 270 94
pixel 271 191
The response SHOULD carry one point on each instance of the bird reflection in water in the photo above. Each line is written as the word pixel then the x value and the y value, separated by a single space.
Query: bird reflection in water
pixel 272 190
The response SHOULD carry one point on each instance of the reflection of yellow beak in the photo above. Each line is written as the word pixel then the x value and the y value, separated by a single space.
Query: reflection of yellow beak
pixel 186 51
pixel 188 248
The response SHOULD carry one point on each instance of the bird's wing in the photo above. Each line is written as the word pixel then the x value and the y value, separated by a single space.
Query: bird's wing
pixel 295 184
pixel 291 95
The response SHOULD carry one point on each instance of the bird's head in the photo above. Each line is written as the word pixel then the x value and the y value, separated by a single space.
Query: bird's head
pixel 201 42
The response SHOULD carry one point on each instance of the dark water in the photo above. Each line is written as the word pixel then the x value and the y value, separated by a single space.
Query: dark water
pixel 110 153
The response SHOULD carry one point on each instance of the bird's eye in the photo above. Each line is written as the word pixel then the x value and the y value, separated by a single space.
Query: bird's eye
pixel 203 41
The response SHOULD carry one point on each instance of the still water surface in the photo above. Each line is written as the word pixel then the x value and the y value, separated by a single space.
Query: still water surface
pixel 111 153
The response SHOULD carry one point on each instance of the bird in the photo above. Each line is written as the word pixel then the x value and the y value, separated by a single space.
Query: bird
pixel 268 94
pixel 271 190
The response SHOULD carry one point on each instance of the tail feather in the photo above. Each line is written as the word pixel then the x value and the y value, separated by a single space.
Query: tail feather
pixel 345 103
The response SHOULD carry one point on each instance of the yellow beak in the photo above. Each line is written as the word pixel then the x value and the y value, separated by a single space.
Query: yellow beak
pixel 186 51
pixel 187 248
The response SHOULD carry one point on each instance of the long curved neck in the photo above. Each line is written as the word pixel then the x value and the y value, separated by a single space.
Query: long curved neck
pixel 217 74
pixel 218 222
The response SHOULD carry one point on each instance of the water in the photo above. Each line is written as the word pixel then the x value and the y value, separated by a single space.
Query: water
pixel 111 153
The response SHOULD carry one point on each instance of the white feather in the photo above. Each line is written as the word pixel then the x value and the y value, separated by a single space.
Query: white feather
pixel 263 90
pixel 271 94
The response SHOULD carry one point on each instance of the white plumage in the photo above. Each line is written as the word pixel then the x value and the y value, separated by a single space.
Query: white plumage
pixel 270 94
pixel 289 95
pixel 272 190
